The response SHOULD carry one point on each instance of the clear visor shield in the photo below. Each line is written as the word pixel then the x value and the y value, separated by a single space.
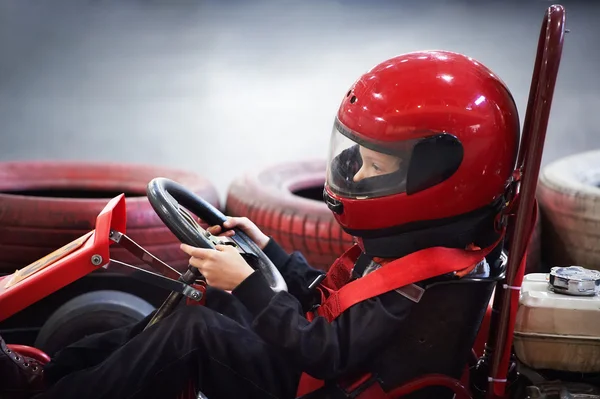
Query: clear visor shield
pixel 360 169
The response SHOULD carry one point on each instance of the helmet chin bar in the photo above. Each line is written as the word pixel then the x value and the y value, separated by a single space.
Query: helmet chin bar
pixel 334 205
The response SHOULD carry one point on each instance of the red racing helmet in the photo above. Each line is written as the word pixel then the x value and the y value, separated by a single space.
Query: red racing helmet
pixel 423 136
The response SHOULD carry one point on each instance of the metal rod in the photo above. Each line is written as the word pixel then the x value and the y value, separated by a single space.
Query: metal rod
pixel 143 255
pixel 155 279
pixel 534 133
pixel 173 299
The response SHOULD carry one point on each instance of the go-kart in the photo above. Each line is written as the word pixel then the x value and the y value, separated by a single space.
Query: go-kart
pixel 457 342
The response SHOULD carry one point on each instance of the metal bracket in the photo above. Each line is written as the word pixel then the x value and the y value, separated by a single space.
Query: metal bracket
pixel 143 255
pixel 216 240
pixel 154 279
pixel 167 277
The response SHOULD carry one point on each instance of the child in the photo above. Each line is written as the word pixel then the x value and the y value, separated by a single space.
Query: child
pixel 422 148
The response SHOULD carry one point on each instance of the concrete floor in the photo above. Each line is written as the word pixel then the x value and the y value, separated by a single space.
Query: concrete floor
pixel 222 86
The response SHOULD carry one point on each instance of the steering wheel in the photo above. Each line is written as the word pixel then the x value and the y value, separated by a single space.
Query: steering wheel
pixel 167 198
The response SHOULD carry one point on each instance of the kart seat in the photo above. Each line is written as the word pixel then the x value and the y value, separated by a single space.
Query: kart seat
pixel 434 348
pixel 443 329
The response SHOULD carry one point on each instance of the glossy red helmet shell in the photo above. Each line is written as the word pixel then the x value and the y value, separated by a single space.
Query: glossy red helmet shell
pixel 418 95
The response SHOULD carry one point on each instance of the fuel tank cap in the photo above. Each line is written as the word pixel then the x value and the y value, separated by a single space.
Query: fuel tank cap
pixel 574 280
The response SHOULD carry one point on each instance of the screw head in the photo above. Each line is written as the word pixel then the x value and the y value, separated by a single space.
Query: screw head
pixel 96 260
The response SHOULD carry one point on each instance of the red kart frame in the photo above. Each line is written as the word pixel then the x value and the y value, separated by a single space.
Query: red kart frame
pixel 63 266
pixel 91 251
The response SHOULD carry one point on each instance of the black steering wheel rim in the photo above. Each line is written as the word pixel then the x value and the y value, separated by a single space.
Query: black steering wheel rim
pixel 166 196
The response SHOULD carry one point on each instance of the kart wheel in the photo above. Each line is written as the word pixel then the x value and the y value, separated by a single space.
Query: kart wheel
pixel 87 314
pixel 569 196
pixel 45 205
pixel 286 202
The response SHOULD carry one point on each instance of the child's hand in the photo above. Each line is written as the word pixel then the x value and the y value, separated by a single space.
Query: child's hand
pixel 244 224
pixel 224 268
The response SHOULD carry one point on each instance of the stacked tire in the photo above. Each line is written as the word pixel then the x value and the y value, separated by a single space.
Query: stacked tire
pixel 286 202
pixel 569 196
pixel 45 205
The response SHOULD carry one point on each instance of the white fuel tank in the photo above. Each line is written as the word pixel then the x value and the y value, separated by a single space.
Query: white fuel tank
pixel 558 320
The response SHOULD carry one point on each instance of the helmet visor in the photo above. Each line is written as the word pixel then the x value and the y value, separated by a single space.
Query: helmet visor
pixel 358 168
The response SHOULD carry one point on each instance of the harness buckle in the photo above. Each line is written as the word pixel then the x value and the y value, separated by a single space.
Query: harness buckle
pixel 316 282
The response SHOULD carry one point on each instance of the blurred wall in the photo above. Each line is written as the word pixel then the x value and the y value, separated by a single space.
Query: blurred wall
pixel 222 86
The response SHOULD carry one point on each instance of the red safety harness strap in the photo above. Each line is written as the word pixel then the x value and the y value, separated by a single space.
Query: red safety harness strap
pixel 418 266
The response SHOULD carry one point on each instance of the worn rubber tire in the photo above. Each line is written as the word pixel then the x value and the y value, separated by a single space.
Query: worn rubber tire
pixel 569 197
pixel 35 219
pixel 285 202
pixel 90 313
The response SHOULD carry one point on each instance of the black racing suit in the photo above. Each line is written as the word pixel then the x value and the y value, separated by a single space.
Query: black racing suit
pixel 253 343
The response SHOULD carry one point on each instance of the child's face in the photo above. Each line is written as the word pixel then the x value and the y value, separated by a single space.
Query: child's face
pixel 376 164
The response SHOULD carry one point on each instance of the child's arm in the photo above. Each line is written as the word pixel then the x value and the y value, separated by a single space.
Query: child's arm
pixel 324 350
pixel 296 272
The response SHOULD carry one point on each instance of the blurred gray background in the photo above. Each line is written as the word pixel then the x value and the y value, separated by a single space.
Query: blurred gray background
pixel 221 86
